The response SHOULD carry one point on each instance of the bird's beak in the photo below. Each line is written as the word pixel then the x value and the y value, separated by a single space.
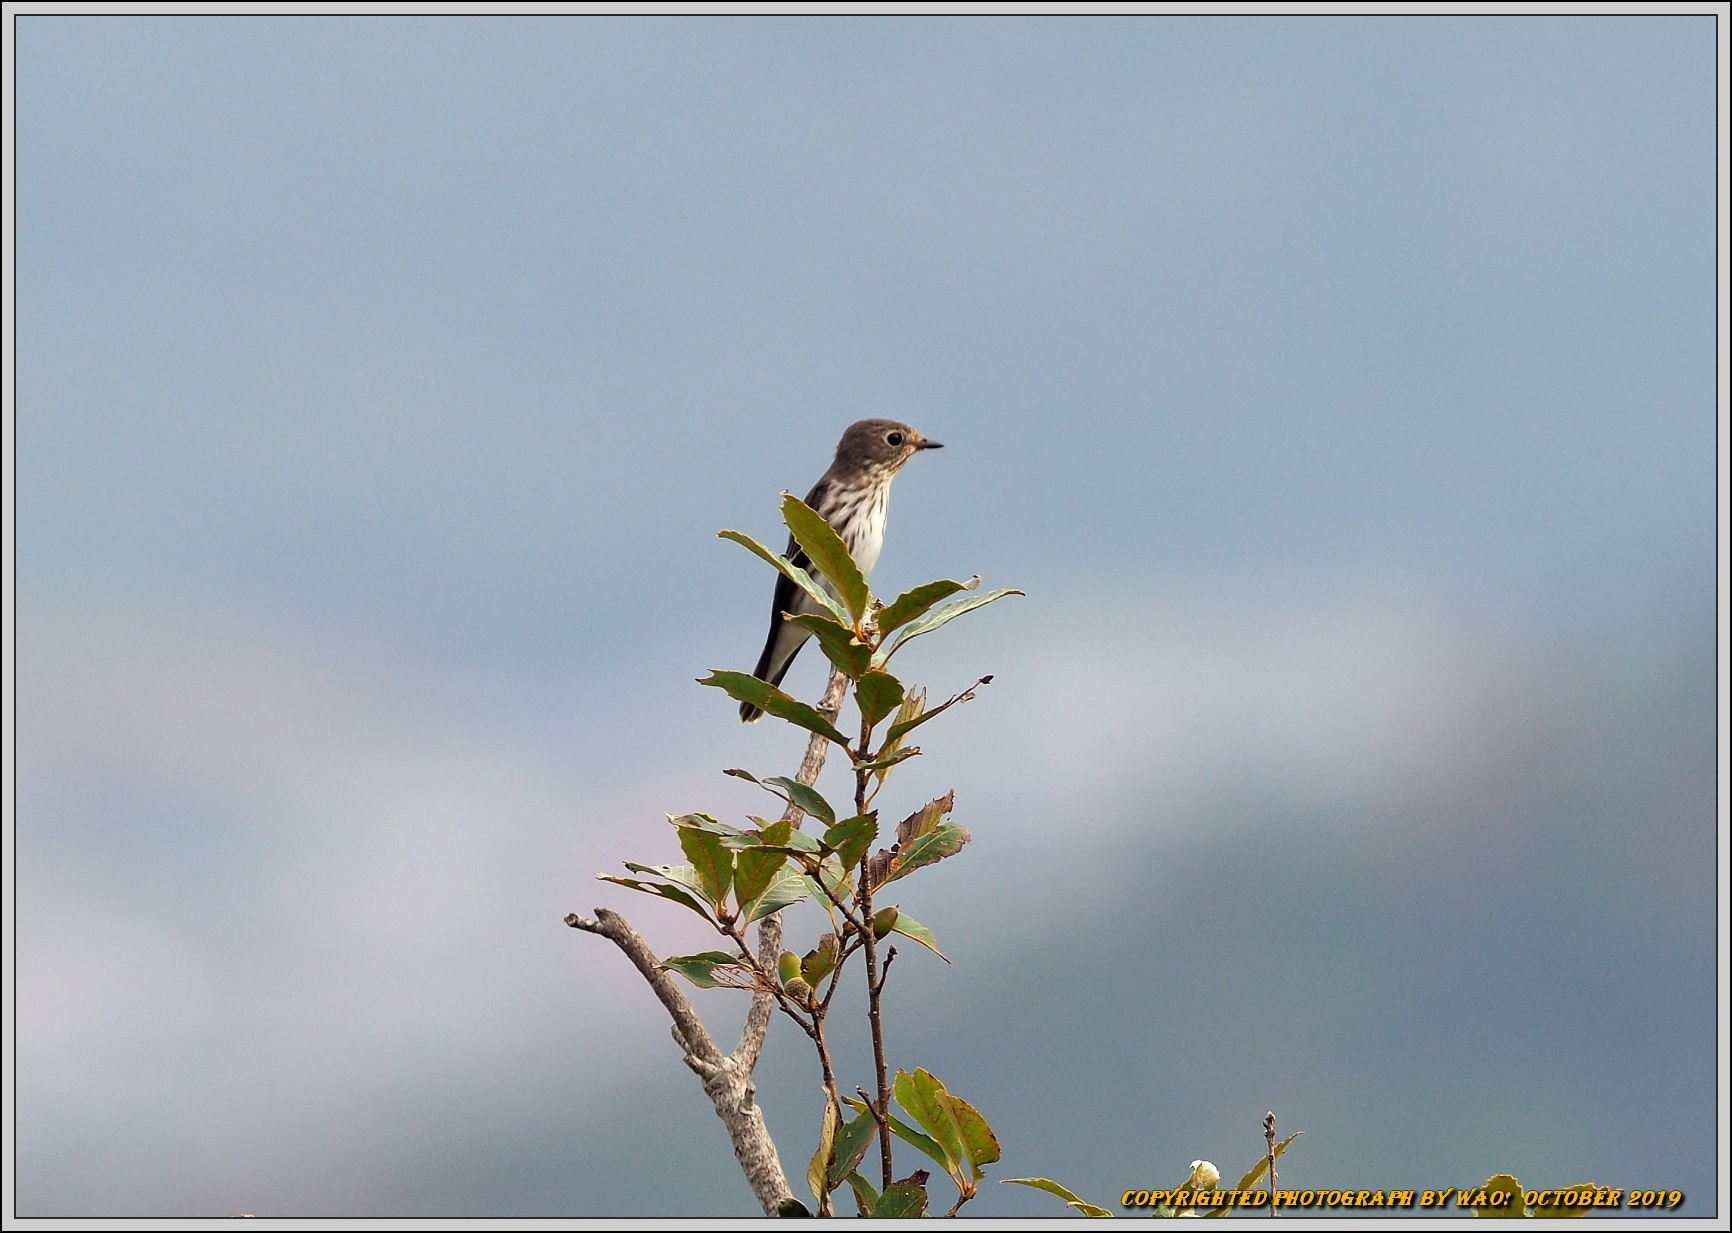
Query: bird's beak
pixel 924 444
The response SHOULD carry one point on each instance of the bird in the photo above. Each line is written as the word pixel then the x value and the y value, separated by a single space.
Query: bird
pixel 854 498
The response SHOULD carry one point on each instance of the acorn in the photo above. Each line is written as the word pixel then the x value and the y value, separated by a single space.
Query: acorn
pixel 799 990
pixel 883 921
pixel 788 967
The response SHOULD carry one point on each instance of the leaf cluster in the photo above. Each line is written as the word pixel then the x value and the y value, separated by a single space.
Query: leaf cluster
pixel 733 876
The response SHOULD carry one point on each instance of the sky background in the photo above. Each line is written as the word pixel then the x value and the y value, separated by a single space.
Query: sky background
pixel 1341 391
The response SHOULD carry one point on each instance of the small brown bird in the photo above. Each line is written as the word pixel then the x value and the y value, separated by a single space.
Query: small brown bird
pixel 854 498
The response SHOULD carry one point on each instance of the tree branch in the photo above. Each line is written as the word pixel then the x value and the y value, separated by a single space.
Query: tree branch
pixel 728 1085
pixel 727 1079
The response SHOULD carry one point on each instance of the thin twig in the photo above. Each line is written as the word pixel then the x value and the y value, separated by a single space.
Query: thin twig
pixel 883 976
pixel 1269 1134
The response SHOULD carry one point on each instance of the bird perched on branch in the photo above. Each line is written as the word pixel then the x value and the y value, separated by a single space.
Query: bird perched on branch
pixel 854 498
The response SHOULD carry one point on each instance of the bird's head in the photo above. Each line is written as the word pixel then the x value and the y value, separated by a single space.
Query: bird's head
pixel 880 445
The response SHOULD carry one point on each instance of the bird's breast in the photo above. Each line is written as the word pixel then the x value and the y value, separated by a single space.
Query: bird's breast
pixel 864 534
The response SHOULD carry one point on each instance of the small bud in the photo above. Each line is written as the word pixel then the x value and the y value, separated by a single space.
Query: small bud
pixel 788 967
pixel 1205 1175
pixel 883 921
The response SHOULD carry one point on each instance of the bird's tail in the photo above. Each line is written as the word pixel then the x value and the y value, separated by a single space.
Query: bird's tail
pixel 750 714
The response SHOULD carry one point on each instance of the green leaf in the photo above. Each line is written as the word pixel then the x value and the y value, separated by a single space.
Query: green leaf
pixel 902 1130
pixel 1512 1207
pixel 947 840
pixel 700 969
pixel 851 838
pixel 852 1140
pixel 922 1096
pixel 877 693
pixel 713 862
pixel 685 875
pixel 901 1201
pixel 743 687
pixel 658 888
pixel 911 604
pixel 1052 1187
pixel 955 1126
pixel 825 549
pixel 865 1198
pixel 788 887
pixel 808 799
pixel 731 836
pixel 817 1172
pixel 790 792
pixel 838 643
pixel 913 704
pixel 908 927
pixel 794 574
pixel 937 617
pixel 754 870
pixel 977 1137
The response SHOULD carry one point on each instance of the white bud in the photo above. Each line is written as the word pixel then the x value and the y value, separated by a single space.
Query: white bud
pixel 1205 1175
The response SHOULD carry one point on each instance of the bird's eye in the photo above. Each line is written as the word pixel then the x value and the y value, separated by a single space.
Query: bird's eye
pixel 894 439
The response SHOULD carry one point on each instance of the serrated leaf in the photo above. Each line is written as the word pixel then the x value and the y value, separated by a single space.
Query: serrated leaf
pixel 977 1137
pixel 922 1096
pixel 938 617
pixel 838 643
pixel 865 1198
pixel 916 602
pixel 713 862
pixel 908 927
pixel 925 820
pixel 743 687
pixel 913 704
pixel 799 842
pixel 901 1201
pixel 794 574
pixel 788 887
pixel 877 694
pixel 1052 1187
pixel 731 836
pixel 754 870
pixel 808 799
pixel 851 838
pixel 825 549
pixel 852 1140
pixel 1558 1211
pixel 820 961
pixel 700 968
pixel 685 875
pixel 658 888
pixel 817 1172
pixel 1502 1183
pixel 947 840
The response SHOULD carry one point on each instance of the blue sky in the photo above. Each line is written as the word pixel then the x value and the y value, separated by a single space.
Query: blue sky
pixel 1340 390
